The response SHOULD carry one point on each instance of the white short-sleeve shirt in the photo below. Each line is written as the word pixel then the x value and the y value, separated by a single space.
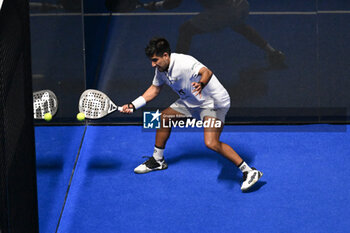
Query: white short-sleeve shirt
pixel 183 70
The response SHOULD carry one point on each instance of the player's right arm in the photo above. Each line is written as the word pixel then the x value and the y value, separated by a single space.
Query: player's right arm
pixel 139 102
pixel 151 93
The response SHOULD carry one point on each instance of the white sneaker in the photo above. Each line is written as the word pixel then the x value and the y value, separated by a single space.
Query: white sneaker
pixel 151 165
pixel 250 178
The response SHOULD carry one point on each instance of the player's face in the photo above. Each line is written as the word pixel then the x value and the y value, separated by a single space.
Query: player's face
pixel 161 62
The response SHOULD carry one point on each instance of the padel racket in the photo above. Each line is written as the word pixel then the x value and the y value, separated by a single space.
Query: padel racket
pixel 44 101
pixel 96 104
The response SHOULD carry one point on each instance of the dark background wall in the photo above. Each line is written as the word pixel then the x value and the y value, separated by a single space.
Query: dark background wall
pixel 18 193
pixel 311 87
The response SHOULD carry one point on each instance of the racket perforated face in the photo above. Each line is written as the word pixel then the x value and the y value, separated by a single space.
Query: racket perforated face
pixel 44 101
pixel 95 104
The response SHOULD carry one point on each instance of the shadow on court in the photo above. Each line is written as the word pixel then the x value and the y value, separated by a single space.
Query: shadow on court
pixel 54 164
pixel 229 173
pixel 100 164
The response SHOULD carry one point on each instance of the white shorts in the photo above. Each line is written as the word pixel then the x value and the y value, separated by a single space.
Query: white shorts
pixel 198 112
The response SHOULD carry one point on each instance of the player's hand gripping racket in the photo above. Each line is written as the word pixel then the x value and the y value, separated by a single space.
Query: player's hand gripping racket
pixel 44 101
pixel 96 104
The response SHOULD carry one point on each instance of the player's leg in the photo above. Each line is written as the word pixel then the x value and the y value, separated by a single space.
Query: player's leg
pixel 163 133
pixel 212 134
pixel 212 141
pixel 157 161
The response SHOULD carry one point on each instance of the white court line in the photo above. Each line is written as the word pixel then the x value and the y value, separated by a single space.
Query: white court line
pixel 54 14
pixel 283 13
pixel 191 13
pixel 146 14
pixel 334 12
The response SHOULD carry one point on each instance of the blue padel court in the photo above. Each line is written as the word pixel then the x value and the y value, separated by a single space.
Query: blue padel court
pixel 67 156
pixel 86 181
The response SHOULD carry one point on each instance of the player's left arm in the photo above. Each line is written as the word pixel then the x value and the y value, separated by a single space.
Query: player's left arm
pixel 206 75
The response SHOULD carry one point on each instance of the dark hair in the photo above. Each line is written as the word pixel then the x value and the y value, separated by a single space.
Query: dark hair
pixel 157 46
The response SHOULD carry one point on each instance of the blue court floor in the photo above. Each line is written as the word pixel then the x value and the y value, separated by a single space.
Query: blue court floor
pixel 86 181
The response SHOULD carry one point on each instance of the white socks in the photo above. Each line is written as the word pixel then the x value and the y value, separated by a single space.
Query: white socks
pixel 244 167
pixel 158 153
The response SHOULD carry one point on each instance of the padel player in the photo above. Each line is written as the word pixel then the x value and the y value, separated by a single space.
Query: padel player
pixel 202 96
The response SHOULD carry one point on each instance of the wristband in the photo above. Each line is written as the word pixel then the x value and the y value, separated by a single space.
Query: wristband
pixel 202 84
pixel 131 106
pixel 139 102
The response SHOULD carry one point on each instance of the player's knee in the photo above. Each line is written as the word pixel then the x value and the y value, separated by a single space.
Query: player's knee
pixel 212 144
pixel 164 117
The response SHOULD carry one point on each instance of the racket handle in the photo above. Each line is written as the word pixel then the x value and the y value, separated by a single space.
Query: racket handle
pixel 120 109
